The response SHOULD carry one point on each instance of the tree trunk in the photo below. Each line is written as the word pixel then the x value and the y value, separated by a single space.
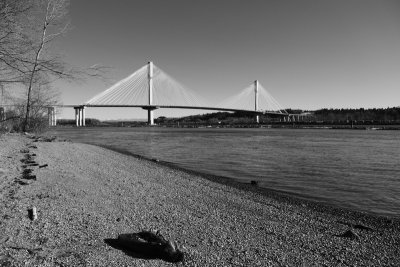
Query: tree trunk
pixel 32 76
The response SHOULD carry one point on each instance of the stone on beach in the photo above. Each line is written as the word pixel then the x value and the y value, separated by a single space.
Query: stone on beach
pixel 350 234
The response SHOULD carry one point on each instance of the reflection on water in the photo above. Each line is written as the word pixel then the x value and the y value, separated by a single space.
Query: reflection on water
pixel 348 168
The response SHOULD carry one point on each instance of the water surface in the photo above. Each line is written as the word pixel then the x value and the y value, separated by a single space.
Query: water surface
pixel 354 169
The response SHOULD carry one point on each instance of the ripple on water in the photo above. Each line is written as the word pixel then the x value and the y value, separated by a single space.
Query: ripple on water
pixel 351 169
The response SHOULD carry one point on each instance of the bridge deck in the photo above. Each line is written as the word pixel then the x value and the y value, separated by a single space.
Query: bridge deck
pixel 152 107
pixel 188 107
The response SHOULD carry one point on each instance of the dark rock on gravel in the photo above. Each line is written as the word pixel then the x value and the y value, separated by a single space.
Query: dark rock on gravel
pixel 350 234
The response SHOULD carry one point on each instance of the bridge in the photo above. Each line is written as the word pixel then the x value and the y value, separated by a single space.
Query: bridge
pixel 150 88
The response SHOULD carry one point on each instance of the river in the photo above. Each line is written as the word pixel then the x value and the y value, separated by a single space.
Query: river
pixel 353 169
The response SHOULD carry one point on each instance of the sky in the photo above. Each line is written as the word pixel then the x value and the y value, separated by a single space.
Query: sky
pixel 308 54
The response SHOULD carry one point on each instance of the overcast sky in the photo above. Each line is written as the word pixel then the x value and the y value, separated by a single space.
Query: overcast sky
pixel 308 54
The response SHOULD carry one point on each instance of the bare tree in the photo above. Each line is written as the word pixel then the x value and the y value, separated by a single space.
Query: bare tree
pixel 13 44
pixel 27 31
pixel 53 25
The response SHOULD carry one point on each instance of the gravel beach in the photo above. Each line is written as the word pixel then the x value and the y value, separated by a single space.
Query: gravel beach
pixel 85 196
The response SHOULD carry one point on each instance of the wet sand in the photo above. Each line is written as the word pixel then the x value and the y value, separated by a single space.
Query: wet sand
pixel 87 195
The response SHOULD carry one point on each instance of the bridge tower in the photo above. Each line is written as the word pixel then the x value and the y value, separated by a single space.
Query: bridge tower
pixel 150 108
pixel 256 100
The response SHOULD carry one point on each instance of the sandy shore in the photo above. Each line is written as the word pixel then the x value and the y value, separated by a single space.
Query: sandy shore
pixel 87 194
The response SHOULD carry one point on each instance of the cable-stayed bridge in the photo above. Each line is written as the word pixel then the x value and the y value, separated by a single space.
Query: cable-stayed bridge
pixel 150 88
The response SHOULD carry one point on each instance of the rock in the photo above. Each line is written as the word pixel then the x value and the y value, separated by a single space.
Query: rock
pixel 27 171
pixel 32 213
pixel 21 182
pixel 350 234
pixel 253 182
pixel 362 227
pixel 30 177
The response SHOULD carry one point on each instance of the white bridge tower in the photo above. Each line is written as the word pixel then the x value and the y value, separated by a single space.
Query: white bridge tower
pixel 150 109
pixel 256 100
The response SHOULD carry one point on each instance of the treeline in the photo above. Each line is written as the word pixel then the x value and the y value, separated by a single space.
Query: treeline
pixel 222 118
pixel 98 123
pixel 388 115
pixel 335 116
pixel 237 119
pixel 71 122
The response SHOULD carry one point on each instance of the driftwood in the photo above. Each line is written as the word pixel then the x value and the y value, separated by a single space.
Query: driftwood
pixel 150 244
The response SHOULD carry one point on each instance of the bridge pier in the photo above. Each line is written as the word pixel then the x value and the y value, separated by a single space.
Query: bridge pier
pixel 3 114
pixel 76 116
pixel 150 117
pixel 80 116
pixel 83 116
pixel 150 114
pixel 52 116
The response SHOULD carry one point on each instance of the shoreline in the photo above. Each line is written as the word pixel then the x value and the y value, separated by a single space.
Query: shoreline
pixel 268 192
pixel 299 126
pixel 87 194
